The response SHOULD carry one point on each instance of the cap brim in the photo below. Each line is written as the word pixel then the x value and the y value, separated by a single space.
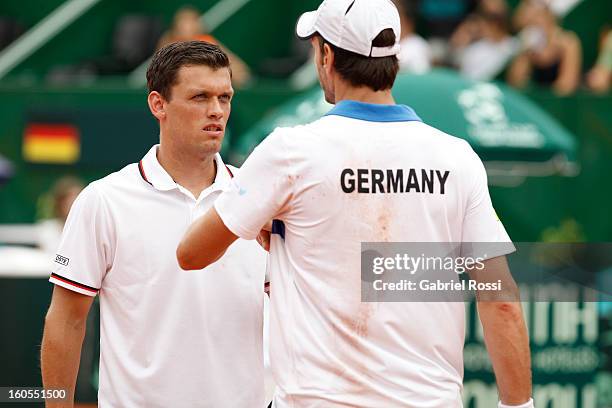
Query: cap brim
pixel 305 26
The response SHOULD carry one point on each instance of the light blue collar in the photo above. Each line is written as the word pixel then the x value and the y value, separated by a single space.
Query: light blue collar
pixel 374 112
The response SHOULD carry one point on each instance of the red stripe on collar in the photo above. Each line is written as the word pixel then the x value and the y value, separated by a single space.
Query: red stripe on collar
pixel 142 173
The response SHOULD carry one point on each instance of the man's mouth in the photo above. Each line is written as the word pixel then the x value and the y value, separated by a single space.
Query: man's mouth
pixel 213 128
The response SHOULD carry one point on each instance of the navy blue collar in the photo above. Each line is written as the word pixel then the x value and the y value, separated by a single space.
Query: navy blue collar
pixel 374 112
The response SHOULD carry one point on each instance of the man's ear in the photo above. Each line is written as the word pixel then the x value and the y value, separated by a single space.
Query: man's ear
pixel 328 58
pixel 157 105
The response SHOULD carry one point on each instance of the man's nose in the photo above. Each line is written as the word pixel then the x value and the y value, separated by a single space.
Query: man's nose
pixel 214 109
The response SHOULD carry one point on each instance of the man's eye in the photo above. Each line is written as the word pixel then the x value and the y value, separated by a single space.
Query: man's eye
pixel 225 98
pixel 200 96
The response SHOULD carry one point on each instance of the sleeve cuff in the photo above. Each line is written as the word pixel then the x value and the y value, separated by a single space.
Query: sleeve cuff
pixel 73 285
pixel 233 224
pixel 528 404
pixel 486 250
pixel 505 248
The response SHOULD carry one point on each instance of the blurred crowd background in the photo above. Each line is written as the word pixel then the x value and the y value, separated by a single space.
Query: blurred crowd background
pixel 73 109
pixel 562 44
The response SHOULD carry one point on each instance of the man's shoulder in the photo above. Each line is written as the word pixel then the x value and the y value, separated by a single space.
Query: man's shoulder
pixel 310 133
pixel 283 132
pixel 299 134
pixel 282 139
pixel 442 139
pixel 120 179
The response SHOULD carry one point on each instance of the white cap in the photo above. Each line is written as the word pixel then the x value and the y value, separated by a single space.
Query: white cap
pixel 353 24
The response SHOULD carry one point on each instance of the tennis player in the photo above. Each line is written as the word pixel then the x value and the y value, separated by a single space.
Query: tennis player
pixel 368 171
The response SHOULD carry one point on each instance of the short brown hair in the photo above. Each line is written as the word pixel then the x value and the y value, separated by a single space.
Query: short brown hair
pixel 167 61
pixel 376 73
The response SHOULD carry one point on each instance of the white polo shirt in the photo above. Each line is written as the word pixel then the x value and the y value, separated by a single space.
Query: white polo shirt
pixel 169 338
pixel 328 349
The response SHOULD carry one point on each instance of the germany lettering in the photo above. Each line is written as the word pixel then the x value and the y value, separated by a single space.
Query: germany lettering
pixel 389 181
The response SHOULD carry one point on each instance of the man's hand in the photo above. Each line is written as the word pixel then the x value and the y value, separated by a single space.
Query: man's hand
pixel 264 239
pixel 62 341
pixel 264 236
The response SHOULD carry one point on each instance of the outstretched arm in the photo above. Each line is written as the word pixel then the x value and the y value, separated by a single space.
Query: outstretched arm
pixel 258 194
pixel 571 65
pixel 205 242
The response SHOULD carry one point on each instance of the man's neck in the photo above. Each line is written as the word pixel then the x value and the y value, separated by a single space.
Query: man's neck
pixel 194 174
pixel 363 94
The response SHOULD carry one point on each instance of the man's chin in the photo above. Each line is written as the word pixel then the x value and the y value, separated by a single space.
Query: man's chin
pixel 210 147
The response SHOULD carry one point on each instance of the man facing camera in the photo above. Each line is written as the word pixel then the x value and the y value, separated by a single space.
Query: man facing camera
pixel 168 338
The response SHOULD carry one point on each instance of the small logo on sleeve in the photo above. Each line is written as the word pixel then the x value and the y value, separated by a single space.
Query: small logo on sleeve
pixel 62 260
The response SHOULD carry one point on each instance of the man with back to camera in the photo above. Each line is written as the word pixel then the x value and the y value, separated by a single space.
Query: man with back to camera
pixel 321 184
pixel 168 338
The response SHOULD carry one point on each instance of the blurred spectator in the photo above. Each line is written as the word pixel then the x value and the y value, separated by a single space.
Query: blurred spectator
pixel 482 44
pixel 598 78
pixel 187 25
pixel 63 194
pixel 440 19
pixel 550 55
pixel 443 16
pixel 523 13
pixel 415 55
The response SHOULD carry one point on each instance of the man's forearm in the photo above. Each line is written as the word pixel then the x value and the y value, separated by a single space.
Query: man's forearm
pixel 507 341
pixel 60 356
pixel 205 242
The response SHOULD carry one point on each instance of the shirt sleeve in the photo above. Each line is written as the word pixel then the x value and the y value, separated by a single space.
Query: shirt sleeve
pixel 83 256
pixel 483 233
pixel 260 191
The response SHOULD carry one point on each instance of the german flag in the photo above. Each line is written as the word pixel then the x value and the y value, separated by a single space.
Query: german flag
pixel 51 143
